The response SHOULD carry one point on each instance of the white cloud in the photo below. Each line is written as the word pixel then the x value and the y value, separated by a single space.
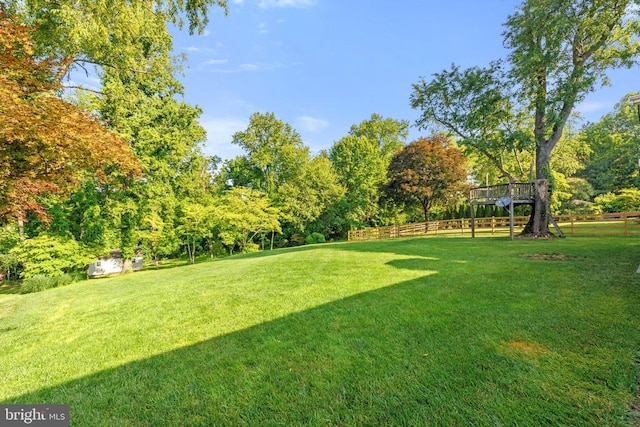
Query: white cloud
pixel 262 29
pixel 192 49
pixel 219 133
pixel 311 124
pixel 216 61
pixel 249 67
pixel 300 4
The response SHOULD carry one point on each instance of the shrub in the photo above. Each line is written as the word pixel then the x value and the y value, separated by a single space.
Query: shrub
pixel 250 247
pixel 40 283
pixel 48 255
pixel 315 238
pixel 296 240
pixel 626 200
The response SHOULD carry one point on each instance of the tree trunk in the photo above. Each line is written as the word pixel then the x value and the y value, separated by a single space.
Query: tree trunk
pixel 538 225
pixel 189 250
pixel 21 226
pixel 426 207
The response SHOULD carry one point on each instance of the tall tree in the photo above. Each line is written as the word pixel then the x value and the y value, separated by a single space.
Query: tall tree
pixel 614 142
pixel 146 108
pixel 82 34
pixel 246 214
pixel 361 160
pixel 476 105
pixel 560 51
pixel 47 145
pixel 274 149
pixel 389 134
pixel 427 171
pixel 315 190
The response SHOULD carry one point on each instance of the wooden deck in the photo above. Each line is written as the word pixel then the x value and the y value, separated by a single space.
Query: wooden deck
pixel 521 193
pixel 509 195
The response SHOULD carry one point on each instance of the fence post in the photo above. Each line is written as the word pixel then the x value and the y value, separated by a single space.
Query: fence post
pixel 573 218
pixel 462 226
pixel 626 225
pixel 493 224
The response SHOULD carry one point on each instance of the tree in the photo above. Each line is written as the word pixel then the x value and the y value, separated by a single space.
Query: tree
pixel 427 171
pixel 389 134
pixel 165 135
pixel 614 141
pixel 196 224
pixel 47 145
pixel 360 170
pixel 476 106
pixel 361 160
pixel 560 51
pixel 246 214
pixel 82 34
pixel 47 255
pixel 274 149
pixel 315 190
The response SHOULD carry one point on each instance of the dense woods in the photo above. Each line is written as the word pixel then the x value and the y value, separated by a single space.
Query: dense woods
pixel 121 167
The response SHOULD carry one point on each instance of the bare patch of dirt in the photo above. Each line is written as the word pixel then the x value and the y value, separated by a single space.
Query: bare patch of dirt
pixel 545 256
pixel 523 348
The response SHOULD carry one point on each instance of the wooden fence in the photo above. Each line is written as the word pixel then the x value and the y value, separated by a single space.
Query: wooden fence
pixel 611 224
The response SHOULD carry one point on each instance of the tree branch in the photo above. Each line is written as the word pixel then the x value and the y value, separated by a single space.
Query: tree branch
pixel 83 88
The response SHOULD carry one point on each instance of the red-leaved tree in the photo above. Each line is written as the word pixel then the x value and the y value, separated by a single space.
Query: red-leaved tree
pixel 47 145
pixel 427 170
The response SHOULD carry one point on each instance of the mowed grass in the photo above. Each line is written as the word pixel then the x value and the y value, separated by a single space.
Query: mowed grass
pixel 424 331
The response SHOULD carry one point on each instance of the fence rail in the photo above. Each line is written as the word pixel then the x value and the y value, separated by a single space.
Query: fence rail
pixel 610 224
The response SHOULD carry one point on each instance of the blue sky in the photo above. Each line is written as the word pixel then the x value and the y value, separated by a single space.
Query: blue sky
pixel 324 65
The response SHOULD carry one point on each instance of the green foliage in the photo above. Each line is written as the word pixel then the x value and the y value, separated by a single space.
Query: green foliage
pixel 275 152
pixel 389 134
pixel 316 190
pixel 625 200
pixel 40 283
pixel 614 141
pixel 48 255
pixel 244 215
pixel 559 52
pixel 113 35
pixel 315 238
pixel 196 222
pixel 361 160
pixel 475 106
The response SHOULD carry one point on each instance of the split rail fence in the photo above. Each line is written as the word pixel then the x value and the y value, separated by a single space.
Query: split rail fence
pixel 610 224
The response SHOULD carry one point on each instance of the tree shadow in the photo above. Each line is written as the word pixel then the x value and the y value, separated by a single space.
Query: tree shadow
pixel 9 287
pixel 348 358
pixel 412 353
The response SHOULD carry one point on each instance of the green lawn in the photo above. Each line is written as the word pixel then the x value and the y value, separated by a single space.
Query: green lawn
pixel 423 331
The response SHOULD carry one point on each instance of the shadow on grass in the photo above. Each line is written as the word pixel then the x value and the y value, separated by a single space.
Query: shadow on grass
pixel 393 356
pixel 9 288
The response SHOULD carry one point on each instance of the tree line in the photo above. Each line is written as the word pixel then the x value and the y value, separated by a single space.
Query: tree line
pixel 86 170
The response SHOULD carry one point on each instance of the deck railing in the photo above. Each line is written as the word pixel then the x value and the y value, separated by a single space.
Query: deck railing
pixel 517 191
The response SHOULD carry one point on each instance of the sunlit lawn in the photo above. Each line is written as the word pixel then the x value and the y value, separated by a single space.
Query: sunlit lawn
pixel 424 331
